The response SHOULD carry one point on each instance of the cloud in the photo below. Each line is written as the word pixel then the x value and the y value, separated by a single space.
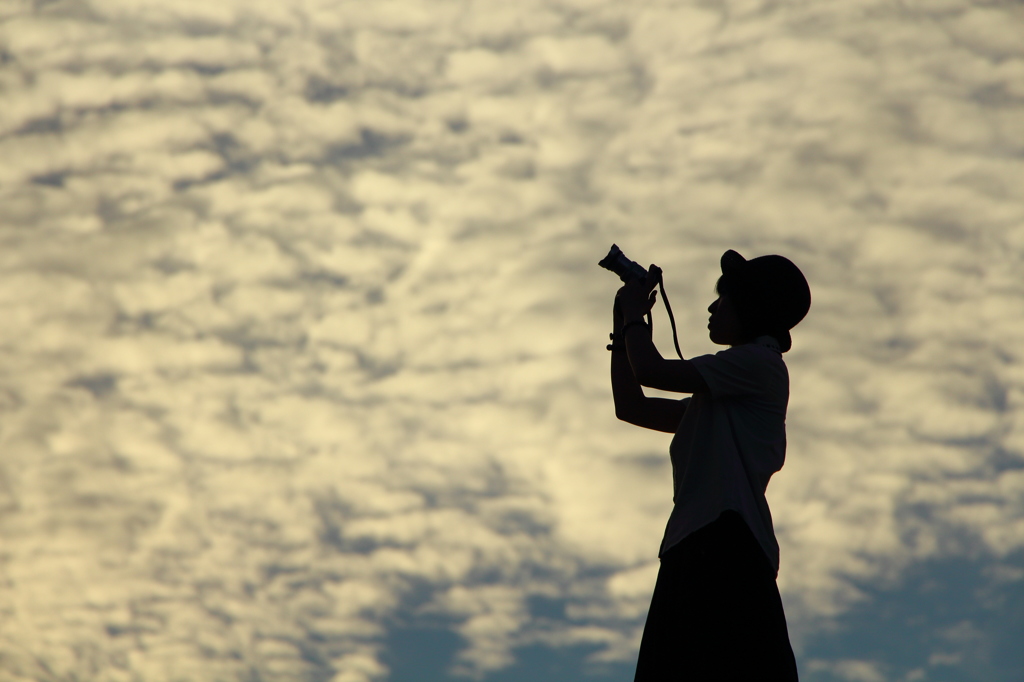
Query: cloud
pixel 852 670
pixel 304 330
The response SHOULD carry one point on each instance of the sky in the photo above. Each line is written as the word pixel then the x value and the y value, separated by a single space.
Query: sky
pixel 302 363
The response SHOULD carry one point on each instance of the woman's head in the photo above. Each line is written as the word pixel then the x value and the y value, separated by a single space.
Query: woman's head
pixel 768 295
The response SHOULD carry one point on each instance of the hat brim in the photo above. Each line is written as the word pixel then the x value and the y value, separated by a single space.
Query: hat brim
pixel 731 262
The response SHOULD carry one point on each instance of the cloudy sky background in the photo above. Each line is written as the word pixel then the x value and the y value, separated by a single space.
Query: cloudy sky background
pixel 303 371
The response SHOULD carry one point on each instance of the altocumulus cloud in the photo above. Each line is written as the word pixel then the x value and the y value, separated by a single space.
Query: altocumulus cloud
pixel 304 337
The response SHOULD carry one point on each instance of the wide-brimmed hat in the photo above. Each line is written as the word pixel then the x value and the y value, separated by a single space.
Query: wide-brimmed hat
pixel 770 293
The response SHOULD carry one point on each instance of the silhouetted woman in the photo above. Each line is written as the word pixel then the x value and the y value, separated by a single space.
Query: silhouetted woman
pixel 716 613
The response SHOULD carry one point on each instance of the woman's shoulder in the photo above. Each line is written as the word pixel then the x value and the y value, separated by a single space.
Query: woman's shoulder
pixel 762 362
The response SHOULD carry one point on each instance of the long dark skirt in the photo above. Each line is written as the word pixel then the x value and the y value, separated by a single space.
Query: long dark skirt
pixel 716 613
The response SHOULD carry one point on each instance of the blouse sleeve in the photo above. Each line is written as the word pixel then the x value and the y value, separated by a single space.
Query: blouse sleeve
pixel 733 372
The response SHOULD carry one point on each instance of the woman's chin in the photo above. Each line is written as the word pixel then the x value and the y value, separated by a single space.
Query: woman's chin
pixel 719 339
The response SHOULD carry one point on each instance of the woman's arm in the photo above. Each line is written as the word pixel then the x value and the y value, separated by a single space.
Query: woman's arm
pixel 650 369
pixel 631 405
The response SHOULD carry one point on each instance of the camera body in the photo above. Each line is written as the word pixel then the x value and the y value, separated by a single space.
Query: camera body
pixel 626 269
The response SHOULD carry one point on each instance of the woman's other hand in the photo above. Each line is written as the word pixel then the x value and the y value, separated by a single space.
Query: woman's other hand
pixel 636 298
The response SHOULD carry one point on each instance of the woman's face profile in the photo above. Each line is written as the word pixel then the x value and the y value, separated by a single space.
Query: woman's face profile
pixel 724 324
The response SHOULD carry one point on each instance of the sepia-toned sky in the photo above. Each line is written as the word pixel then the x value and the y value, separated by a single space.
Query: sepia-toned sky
pixel 302 336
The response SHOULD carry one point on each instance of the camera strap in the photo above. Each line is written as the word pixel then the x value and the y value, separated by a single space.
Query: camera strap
pixel 671 317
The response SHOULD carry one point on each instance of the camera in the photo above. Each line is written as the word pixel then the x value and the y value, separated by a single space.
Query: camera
pixel 626 269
